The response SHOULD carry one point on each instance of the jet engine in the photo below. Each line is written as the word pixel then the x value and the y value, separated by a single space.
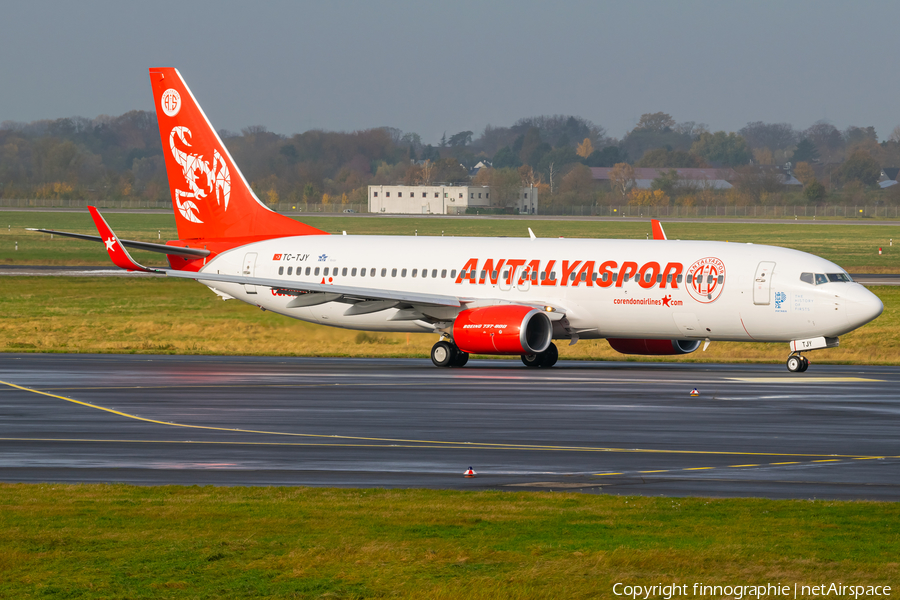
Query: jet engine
pixel 502 329
pixel 653 347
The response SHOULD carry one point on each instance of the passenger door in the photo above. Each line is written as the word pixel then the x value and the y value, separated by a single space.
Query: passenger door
pixel 762 283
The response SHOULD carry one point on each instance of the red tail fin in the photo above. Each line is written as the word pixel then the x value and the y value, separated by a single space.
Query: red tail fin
pixel 210 195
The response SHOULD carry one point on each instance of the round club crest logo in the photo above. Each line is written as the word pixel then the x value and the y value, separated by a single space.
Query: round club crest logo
pixel 171 102
pixel 705 279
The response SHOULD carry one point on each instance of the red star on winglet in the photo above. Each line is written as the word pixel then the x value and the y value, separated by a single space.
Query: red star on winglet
pixel 117 252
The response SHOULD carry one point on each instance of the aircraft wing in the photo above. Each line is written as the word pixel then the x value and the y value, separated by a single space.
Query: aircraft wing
pixel 338 292
pixel 362 300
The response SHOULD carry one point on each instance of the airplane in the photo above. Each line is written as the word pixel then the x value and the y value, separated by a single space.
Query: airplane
pixel 493 296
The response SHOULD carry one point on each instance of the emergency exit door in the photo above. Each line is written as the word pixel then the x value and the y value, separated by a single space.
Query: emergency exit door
pixel 762 283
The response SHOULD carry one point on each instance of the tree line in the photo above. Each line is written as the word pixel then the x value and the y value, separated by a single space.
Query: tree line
pixel 122 157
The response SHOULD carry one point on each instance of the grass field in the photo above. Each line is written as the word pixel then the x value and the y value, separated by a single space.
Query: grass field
pixel 97 541
pixel 165 316
pixel 854 247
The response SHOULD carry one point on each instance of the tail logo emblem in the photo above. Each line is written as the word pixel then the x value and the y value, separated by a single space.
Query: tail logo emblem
pixel 218 179
pixel 171 102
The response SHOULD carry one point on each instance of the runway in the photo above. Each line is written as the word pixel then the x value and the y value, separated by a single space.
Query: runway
pixel 619 428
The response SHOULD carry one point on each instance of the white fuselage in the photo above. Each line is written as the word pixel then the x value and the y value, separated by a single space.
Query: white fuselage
pixel 737 292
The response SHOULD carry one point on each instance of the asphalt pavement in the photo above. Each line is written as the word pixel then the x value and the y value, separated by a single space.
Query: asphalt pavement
pixel 596 427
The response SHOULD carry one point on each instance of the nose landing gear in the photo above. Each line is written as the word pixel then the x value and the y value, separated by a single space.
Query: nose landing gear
pixel 797 363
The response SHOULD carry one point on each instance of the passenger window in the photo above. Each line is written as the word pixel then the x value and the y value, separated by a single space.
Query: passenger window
pixel 281 270
pixel 506 274
pixel 353 272
pixel 344 271
pixel 424 272
pixel 679 278
pixel 403 273
pixel 543 275
pixel 659 278
pixel 317 272
pixel 605 277
pixel 593 277
pixel 647 277
pixel 384 272
pixel 326 271
pixel 534 276
pixel 709 279
pixel 669 278
pixel 807 278
pixel 393 272
pixel 572 276
pixel 290 270
pixel 362 272
pixel 493 274
pixel 414 272
pixel 443 273
pixel 721 279
pixel 820 279
pixel 627 277
pixel 552 275
pixel 690 278
pixel 434 273
pixel 483 274
pixel 372 273
pixel 307 270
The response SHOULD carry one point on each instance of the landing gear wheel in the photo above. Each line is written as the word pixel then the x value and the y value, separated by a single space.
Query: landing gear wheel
pixel 461 358
pixel 531 360
pixel 442 354
pixel 805 365
pixel 795 364
pixel 549 356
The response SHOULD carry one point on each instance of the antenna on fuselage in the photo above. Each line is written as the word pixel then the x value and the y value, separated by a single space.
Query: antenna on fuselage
pixel 531 233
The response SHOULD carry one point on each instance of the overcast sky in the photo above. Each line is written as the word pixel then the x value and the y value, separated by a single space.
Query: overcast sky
pixel 432 67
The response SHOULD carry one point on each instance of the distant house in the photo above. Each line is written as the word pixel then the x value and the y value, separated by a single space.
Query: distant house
pixel 442 199
pixel 713 179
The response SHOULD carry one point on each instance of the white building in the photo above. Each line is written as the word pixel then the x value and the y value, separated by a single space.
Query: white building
pixel 442 199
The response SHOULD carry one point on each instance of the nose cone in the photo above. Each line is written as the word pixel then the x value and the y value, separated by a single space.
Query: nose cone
pixel 862 306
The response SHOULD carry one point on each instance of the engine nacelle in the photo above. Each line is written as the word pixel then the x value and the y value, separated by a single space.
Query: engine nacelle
pixel 502 329
pixel 653 347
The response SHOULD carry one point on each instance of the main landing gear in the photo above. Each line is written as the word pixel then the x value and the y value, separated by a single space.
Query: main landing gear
pixel 797 363
pixel 546 359
pixel 445 354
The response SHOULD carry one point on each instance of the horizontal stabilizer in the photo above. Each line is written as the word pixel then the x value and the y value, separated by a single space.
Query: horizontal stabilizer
pixel 134 245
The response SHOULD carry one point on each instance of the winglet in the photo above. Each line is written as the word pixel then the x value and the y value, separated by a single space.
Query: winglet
pixel 114 247
pixel 658 233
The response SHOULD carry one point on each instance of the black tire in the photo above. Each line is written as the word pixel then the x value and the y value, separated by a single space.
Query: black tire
pixel 805 365
pixel 443 354
pixel 549 356
pixel 795 364
pixel 461 358
pixel 531 360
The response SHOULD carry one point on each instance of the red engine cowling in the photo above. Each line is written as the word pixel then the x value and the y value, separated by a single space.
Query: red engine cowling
pixel 502 329
pixel 653 347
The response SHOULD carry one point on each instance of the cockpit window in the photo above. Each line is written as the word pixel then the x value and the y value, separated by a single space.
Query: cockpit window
pixel 839 277
pixel 807 278
pixel 820 278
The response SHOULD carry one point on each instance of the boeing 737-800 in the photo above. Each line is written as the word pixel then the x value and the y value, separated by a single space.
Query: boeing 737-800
pixel 482 295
